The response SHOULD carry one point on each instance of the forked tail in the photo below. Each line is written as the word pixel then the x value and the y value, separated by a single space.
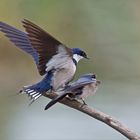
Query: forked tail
pixel 37 90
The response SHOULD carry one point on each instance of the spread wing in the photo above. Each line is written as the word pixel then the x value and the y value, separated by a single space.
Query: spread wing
pixel 47 47
pixel 20 39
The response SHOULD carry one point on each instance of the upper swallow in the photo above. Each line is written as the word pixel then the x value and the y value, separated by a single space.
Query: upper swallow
pixel 53 59
pixel 80 89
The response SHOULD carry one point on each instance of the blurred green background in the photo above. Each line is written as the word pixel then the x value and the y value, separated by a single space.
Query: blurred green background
pixel 109 31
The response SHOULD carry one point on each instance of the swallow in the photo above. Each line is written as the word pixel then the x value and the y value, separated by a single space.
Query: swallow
pixel 54 60
pixel 85 86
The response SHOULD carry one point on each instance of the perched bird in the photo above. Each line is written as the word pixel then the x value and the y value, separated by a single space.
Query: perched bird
pixel 53 59
pixel 80 89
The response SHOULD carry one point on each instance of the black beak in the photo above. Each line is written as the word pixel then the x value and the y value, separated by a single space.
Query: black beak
pixel 87 57
pixel 98 82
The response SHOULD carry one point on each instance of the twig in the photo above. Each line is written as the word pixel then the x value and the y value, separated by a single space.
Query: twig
pixel 112 122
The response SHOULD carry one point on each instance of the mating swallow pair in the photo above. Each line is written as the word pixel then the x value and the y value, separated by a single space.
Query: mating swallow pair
pixel 54 60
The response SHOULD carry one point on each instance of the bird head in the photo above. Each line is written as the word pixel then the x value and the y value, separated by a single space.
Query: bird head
pixel 91 77
pixel 78 54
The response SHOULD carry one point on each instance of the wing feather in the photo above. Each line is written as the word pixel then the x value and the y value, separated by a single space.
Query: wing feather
pixel 39 44
pixel 55 100
pixel 45 45
pixel 20 39
pixel 79 84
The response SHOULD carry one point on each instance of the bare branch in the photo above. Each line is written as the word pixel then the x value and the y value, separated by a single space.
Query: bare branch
pixel 112 122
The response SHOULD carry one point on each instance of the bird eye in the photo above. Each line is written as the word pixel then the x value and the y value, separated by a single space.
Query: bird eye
pixel 94 76
pixel 84 54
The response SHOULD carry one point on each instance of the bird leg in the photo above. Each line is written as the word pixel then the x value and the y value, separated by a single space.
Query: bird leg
pixel 72 99
pixel 84 103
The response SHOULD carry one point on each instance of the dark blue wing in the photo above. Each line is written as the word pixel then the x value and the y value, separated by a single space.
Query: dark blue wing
pixel 20 39
pixel 55 100
pixel 81 82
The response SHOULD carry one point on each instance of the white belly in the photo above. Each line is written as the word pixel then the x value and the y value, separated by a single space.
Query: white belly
pixel 88 90
pixel 63 75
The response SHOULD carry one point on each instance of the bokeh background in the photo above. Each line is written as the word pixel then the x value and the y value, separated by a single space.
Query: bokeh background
pixel 109 31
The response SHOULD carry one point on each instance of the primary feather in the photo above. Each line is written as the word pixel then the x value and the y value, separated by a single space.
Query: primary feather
pixel 44 44
pixel 20 39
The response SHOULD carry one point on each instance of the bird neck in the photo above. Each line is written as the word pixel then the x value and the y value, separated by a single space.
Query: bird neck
pixel 74 61
pixel 76 58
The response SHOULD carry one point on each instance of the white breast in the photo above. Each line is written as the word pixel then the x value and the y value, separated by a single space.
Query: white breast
pixel 88 90
pixel 63 75
pixel 58 60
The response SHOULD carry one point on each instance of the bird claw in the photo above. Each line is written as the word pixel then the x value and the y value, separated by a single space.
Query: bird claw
pixel 82 105
pixel 72 99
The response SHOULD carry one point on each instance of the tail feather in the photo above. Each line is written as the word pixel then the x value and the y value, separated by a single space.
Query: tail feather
pixel 37 96
pixel 55 100
pixel 37 90
pixel 32 93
